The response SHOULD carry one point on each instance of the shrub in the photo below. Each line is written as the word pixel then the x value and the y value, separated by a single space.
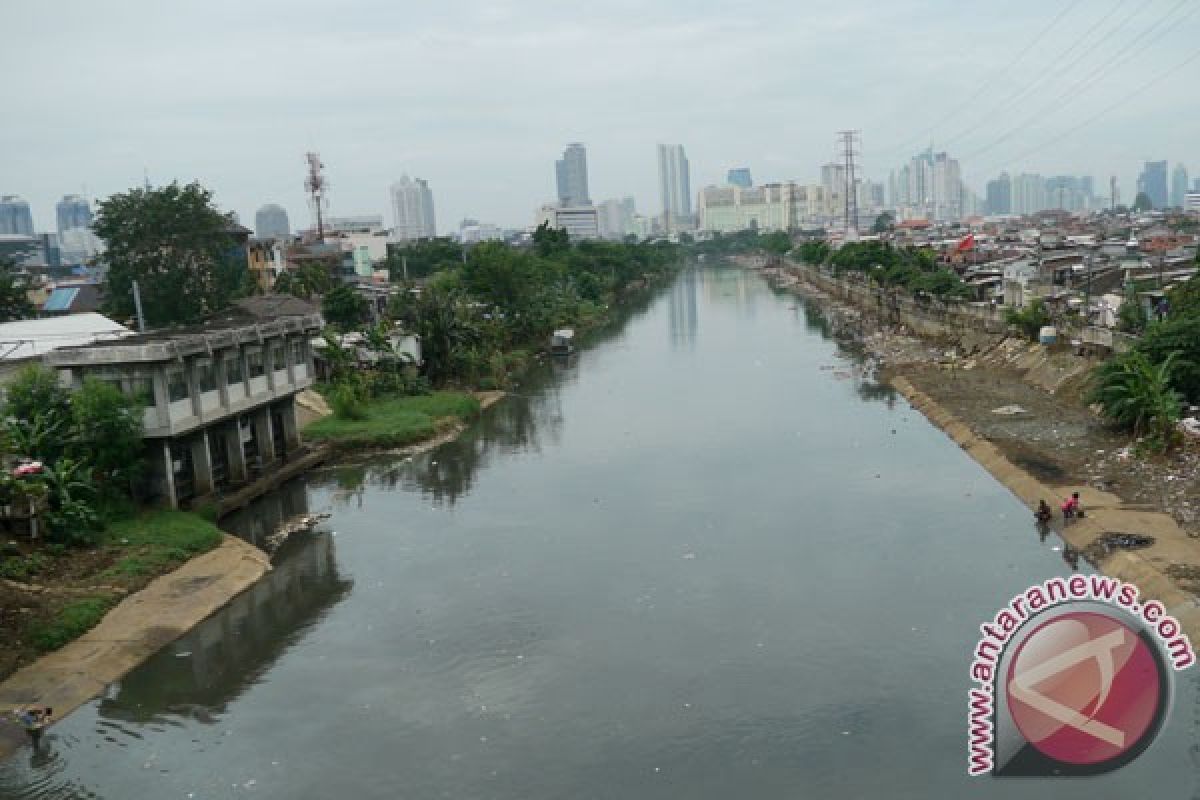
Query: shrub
pixel 1137 394
pixel 348 402
pixel 1030 319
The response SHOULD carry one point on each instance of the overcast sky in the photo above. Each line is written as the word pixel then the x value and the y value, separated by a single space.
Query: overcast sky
pixel 479 96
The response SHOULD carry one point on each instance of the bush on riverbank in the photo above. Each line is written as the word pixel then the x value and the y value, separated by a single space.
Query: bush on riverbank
pixel 83 584
pixel 910 268
pixel 396 421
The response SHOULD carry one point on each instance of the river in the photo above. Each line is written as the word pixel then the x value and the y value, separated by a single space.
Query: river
pixel 704 559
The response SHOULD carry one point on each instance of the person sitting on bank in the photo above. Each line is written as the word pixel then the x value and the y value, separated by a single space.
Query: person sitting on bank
pixel 35 719
pixel 1043 514
pixel 1071 507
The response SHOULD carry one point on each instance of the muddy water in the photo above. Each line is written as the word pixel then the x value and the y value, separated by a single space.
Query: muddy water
pixel 701 560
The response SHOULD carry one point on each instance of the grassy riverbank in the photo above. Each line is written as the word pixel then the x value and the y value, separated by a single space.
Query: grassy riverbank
pixel 51 595
pixel 396 421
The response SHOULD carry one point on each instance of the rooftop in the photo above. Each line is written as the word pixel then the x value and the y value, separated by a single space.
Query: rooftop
pixel 30 338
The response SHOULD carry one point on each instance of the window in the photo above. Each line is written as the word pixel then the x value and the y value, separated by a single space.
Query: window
pixel 278 358
pixel 298 351
pixel 206 376
pixel 254 360
pixel 177 385
pixel 141 388
pixel 233 369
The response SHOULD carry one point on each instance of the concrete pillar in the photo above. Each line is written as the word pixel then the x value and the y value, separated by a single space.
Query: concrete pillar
pixel 202 464
pixel 233 446
pixel 291 431
pixel 168 474
pixel 263 435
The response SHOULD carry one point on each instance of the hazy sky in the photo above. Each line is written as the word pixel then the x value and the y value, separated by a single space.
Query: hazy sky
pixel 479 96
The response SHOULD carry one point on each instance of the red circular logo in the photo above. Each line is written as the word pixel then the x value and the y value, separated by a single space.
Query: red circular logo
pixel 1085 688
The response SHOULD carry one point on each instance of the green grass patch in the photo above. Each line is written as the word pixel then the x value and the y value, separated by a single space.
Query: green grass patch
pixel 72 621
pixel 22 568
pixel 154 541
pixel 395 421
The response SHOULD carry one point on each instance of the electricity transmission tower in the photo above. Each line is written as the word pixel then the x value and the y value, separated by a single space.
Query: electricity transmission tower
pixel 850 141
pixel 315 185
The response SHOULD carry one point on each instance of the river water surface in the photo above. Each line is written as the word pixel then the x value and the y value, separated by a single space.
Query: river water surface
pixel 702 560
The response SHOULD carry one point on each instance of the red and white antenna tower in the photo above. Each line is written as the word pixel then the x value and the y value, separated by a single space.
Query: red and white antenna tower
pixel 315 184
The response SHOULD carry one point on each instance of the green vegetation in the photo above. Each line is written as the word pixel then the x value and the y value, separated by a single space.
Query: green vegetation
pixel 177 246
pixel 307 281
pixel 1030 319
pixel 814 251
pixel 14 302
pixel 22 568
pixel 154 541
pixel 884 222
pixel 1143 202
pixel 72 621
pixel 418 260
pixel 396 421
pixel 344 308
pixel 910 268
pixel 88 442
pixel 1136 394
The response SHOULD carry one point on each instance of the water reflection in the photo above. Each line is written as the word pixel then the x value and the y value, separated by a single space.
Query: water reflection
pixel 262 516
pixel 682 319
pixel 201 673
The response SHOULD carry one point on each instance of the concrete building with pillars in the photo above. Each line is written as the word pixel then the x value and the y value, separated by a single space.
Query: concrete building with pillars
pixel 219 398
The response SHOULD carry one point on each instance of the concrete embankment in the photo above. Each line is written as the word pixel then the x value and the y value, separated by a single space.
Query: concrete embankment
pixel 134 630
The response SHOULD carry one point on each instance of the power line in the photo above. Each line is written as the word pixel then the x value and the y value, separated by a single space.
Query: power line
pixel 1076 89
pixel 983 86
pixel 1120 101
pixel 1051 71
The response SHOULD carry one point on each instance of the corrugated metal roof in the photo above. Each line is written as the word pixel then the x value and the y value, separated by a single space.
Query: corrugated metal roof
pixel 29 338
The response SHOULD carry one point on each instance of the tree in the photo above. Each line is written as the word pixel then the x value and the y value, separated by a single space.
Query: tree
pixel 305 282
pixel 777 243
pixel 14 301
pixel 1143 202
pixel 37 412
pixel 1179 336
pixel 884 222
pixel 107 435
pixel 176 245
pixel 814 251
pixel 549 241
pixel 345 308
pixel 417 260
pixel 1184 299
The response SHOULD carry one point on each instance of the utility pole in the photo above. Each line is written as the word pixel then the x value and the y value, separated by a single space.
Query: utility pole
pixel 137 304
pixel 849 140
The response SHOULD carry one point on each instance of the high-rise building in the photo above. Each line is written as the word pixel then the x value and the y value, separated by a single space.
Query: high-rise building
pixel 412 204
pixel 740 176
pixel 73 212
pixel 999 195
pixel 1153 182
pixel 1179 185
pixel 15 216
pixel 570 171
pixel 615 218
pixel 271 222
pixel 1028 194
pixel 674 186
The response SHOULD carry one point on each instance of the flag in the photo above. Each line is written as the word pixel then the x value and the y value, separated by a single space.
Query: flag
pixel 967 243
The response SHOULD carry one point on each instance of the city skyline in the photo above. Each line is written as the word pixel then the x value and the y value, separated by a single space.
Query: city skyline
pixel 485 145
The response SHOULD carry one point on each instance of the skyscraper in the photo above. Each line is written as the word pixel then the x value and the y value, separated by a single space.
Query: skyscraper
pixel 1153 182
pixel 271 222
pixel 1028 194
pixel 1179 185
pixel 570 171
pixel 412 205
pixel 999 195
pixel 740 176
pixel 674 186
pixel 15 216
pixel 73 212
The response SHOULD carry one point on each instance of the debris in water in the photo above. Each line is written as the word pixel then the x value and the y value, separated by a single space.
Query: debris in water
pixel 688 556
